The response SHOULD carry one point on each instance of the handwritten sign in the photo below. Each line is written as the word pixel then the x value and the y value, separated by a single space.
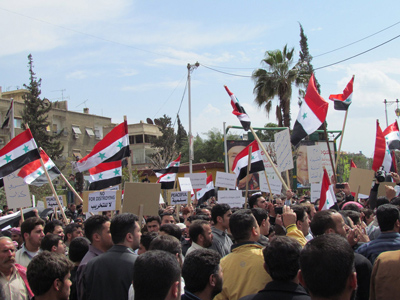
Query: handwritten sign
pixel 102 201
pixel 275 184
pixel 270 147
pixel 17 191
pixel 51 202
pixel 179 198
pixel 185 184
pixel 315 192
pixel 233 198
pixel 283 150
pixel 325 160
pixel 225 180
pixel 198 180
pixel 314 164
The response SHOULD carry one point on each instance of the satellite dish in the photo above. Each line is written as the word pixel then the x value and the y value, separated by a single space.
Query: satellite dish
pixel 149 121
pixel 157 122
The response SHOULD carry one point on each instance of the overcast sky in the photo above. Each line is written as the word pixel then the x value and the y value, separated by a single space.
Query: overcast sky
pixel 127 57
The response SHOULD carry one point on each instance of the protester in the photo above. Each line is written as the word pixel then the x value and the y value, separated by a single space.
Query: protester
pixel 16 236
pixel 167 218
pixel 262 218
pixel 145 241
pixel 53 243
pixel 201 235
pixel 257 200
pixel 220 215
pixel 153 223
pixel 72 231
pixel 54 227
pixel 77 250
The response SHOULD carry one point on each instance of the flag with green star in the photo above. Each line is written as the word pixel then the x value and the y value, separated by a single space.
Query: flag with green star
pixel 105 175
pixel 167 176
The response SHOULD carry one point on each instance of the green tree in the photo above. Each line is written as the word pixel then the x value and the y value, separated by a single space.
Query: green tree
pixel 276 81
pixel 181 135
pixel 165 144
pixel 35 114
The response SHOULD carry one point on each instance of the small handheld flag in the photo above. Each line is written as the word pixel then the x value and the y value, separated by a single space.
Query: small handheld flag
pixel 238 110
pixel 343 101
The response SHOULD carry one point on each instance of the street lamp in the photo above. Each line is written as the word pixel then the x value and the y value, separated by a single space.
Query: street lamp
pixel 191 152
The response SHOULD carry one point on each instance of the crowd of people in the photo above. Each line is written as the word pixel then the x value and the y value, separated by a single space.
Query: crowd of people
pixel 278 247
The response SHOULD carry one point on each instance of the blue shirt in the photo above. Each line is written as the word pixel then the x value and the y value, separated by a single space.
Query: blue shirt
pixel 386 241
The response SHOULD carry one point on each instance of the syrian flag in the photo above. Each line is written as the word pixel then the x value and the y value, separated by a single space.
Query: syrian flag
pixel 312 113
pixel 105 175
pixel 167 176
pixel 343 101
pixel 392 136
pixel 239 166
pixel 352 164
pixel 239 111
pixel 327 199
pixel 114 146
pixel 206 193
pixel 8 115
pixel 20 151
pixel 382 157
pixel 34 174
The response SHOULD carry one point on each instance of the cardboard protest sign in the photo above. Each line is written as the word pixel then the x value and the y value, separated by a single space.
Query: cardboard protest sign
pixel 51 202
pixel 314 161
pixel 283 150
pixel 17 191
pixel 136 194
pixel 185 184
pixel 275 184
pixel 198 180
pixel 360 180
pixel 96 201
pixel 225 180
pixel 315 191
pixel 233 198
pixel 177 198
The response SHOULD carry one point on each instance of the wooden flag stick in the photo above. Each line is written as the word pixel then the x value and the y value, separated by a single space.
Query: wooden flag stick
pixel 71 188
pixel 329 150
pixel 129 158
pixel 269 187
pixel 269 158
pixel 287 178
pixel 248 171
pixel 341 139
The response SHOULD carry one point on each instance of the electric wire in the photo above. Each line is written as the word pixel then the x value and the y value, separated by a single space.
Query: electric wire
pixel 180 105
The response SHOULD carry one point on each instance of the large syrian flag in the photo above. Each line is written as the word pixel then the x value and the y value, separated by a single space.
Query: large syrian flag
pixel 239 111
pixel 105 175
pixel 382 157
pixel 312 113
pixel 206 193
pixel 327 198
pixel 392 136
pixel 34 174
pixel 343 101
pixel 239 166
pixel 167 176
pixel 8 115
pixel 20 151
pixel 114 146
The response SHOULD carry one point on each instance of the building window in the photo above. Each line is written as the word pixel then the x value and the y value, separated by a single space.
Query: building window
pixel 76 129
pixel 131 139
pixel 90 132
pixel 17 123
pixel 55 128
pixel 139 139
pixel 148 138
pixel 98 132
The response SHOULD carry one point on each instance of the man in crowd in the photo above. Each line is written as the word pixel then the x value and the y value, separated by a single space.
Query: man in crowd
pixel 262 218
pixel 77 250
pixel 54 227
pixel 292 224
pixel 156 276
pixel 145 241
pixel 243 268
pixel 72 231
pixel 53 243
pixel 49 276
pixel 16 236
pixel 153 223
pixel 257 200
pixel 32 232
pixel 281 261
pixel 202 274
pixel 97 230
pixel 222 243
pixel 389 240
pixel 117 263
pixel 327 268
pixel 167 218
pixel 13 280
pixel 201 235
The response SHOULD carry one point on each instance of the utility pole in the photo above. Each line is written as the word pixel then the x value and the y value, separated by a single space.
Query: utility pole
pixel 191 152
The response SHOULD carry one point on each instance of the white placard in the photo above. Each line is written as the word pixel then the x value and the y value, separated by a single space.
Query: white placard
pixel 198 180
pixel 17 191
pixel 102 201
pixel 233 198
pixel 40 205
pixel 325 160
pixel 52 202
pixel 314 161
pixel 267 165
pixel 315 191
pixel 225 180
pixel 179 198
pixel 283 150
pixel 275 184
pixel 185 184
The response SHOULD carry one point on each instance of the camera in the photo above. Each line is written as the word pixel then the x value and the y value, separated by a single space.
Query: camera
pixel 380 175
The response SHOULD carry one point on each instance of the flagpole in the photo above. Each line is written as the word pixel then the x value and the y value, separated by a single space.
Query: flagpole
pixel 129 157
pixel 341 138
pixel 12 131
pixel 248 171
pixel 269 159
pixel 329 150
pixel 269 187
pixel 71 188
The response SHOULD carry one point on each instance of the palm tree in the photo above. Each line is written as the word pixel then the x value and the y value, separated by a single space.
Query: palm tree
pixel 276 80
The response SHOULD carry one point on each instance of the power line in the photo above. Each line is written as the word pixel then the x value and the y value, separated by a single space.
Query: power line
pixel 180 105
pixel 224 72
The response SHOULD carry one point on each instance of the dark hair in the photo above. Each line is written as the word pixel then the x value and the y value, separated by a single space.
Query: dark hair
pixel 381 201
pixel 395 201
pixel 352 207
pixel 281 256
pixel 167 243
pixel 78 249
pixel 197 268
pixel 196 229
pixel 49 241
pixel 172 229
pixel 241 223
pixel 253 199
pixel 353 215
pixel 326 262
pixel 50 226
pixel 153 218
pixel 70 228
pixel 46 267
pixel 368 212
pixel 260 214
pixel 387 216
pixel 29 224
pixel 152 267
pixel 300 212
pixel 167 214
pixel 94 225
pixel 322 221
pixel 121 225
pixel 219 210
pixel 147 238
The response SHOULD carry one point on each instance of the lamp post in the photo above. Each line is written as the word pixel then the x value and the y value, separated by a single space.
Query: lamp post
pixel 191 152
pixel 396 111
